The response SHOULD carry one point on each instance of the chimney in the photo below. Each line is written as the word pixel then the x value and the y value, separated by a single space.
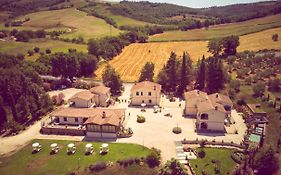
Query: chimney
pixel 217 95
pixel 103 115
pixel 216 108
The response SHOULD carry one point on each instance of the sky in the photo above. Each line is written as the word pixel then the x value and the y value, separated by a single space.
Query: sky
pixel 201 3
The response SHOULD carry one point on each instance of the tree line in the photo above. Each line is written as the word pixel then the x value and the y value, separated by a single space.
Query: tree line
pixel 23 35
pixel 109 47
pixel 22 98
pixel 66 65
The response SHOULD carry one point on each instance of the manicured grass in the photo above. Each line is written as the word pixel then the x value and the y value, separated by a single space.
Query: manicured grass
pixel 12 47
pixel 217 31
pixel 222 155
pixel 24 162
pixel 77 21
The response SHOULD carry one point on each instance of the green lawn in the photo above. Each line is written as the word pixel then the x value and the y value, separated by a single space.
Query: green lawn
pixel 223 155
pixel 24 162
pixel 241 28
pixel 12 47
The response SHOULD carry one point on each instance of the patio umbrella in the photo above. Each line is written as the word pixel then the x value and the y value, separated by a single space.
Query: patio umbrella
pixel 89 145
pixel 104 145
pixel 54 145
pixel 71 145
pixel 35 145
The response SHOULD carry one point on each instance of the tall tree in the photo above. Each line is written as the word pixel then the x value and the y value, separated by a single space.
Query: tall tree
pixel 215 75
pixel 112 80
pixel 230 45
pixel 266 162
pixel 215 47
pixel 185 70
pixel 147 72
pixel 201 75
pixel 171 69
pixel 22 109
pixel 3 114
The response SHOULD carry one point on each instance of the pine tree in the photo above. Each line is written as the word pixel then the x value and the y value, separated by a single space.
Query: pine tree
pixel 3 114
pixel 201 75
pixel 172 72
pixel 184 74
pixel 147 72
pixel 22 109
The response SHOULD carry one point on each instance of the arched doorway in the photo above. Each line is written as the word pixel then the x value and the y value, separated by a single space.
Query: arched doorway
pixel 204 125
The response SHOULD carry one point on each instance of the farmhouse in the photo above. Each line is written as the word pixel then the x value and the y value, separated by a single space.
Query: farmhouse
pixel 102 95
pixel 146 92
pixel 99 122
pixel 84 99
pixel 212 112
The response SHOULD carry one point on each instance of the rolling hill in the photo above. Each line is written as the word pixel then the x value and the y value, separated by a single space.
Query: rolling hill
pixel 240 28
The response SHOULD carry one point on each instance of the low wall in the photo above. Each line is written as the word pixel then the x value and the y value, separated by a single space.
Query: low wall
pixel 63 131
pixel 214 143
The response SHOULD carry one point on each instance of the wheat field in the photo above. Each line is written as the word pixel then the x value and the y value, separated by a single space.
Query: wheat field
pixel 130 62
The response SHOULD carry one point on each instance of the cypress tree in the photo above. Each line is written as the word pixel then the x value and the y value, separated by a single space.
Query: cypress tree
pixel 201 75
pixel 147 72
pixel 183 81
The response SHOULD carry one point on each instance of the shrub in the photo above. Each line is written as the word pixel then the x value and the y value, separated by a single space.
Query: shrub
pixel 153 159
pixel 140 119
pixel 97 167
pixel 47 86
pixel 275 37
pixel 236 158
pixel 271 104
pixel 48 51
pixel 36 49
pixel 128 161
pixel 201 153
pixel 30 52
pixel 177 130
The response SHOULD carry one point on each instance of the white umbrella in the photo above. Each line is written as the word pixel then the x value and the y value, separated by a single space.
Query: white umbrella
pixel 54 145
pixel 89 145
pixel 104 145
pixel 71 145
pixel 155 107
pixel 35 144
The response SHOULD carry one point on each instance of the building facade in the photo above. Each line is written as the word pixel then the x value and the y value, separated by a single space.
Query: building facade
pixel 146 92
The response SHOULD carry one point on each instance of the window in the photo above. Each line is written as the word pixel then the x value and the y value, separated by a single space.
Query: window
pixel 137 94
pixel 149 101
pixel 76 119
pixel 204 116
pixel 143 101
pixel 141 93
pixel 64 119
pixel 149 93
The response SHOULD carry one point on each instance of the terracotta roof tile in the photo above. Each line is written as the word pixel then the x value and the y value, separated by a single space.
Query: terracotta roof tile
pixel 100 89
pixel 85 95
pixel 146 84
pixel 99 116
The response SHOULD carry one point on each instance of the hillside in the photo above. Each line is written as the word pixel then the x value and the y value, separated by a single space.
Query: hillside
pixel 70 19
pixel 159 12
pixel 240 28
